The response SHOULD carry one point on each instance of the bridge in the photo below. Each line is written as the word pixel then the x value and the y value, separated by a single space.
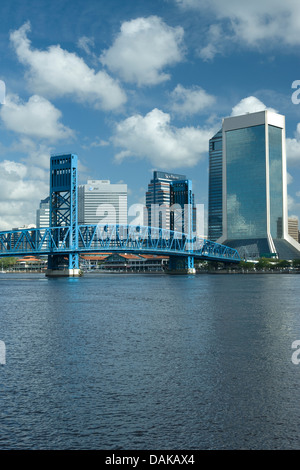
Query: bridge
pixel 65 239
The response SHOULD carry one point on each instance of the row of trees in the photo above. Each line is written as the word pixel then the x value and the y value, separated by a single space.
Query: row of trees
pixel 263 264
pixel 6 263
pixel 270 264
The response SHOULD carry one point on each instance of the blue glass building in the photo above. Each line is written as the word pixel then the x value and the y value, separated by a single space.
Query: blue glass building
pixel 247 179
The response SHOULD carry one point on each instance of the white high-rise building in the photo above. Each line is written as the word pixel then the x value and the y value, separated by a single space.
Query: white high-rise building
pixel 99 201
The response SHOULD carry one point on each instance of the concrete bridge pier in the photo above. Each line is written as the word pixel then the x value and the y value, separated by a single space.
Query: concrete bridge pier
pixel 181 265
pixel 57 266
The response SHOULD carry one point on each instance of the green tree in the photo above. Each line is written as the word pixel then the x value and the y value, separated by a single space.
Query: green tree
pixel 263 263
pixel 296 263
pixel 246 265
pixel 6 263
pixel 283 263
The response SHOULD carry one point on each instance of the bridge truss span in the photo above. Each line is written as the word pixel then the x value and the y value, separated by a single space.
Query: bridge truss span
pixel 111 238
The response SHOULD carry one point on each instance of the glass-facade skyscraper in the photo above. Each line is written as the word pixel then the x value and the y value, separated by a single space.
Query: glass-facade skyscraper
pixel 215 207
pixel 170 203
pixel 247 178
pixel 158 194
pixel 183 214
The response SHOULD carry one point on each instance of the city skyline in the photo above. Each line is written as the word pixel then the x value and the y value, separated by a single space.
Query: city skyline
pixel 189 64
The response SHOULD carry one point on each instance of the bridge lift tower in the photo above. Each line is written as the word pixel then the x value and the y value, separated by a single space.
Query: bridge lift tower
pixel 182 219
pixel 63 213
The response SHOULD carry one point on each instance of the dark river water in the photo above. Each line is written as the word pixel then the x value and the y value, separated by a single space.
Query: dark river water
pixel 150 362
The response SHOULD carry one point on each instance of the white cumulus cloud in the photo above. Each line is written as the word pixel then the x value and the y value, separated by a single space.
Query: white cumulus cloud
pixel 253 23
pixel 56 72
pixel 19 195
pixel 189 101
pixel 153 137
pixel 142 50
pixel 251 104
pixel 35 118
pixel 293 148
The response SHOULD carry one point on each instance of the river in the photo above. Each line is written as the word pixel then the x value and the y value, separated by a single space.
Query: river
pixel 116 361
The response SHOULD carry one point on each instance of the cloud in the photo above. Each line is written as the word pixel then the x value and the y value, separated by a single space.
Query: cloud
pixel 35 118
pixel 251 104
pixel 56 72
pixel 289 178
pixel 293 148
pixel 142 49
pixel 254 23
pixel 189 101
pixel 216 42
pixel 293 151
pixel 19 195
pixel 153 137
pixel 293 205
pixel 36 156
pixel 24 181
pixel 98 142
pixel 85 43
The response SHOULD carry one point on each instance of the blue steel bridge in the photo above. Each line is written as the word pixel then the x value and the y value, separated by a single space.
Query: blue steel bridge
pixel 66 239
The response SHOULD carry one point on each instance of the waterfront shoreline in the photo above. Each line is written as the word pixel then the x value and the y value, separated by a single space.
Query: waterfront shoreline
pixel 200 272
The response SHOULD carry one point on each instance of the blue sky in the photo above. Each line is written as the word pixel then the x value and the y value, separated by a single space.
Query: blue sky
pixel 136 85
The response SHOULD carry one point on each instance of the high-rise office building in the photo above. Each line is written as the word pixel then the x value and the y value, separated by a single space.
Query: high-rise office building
pixel 164 191
pixel 253 186
pixel 215 199
pixel 158 194
pixel 293 227
pixel 42 213
pixel 183 214
pixel 99 201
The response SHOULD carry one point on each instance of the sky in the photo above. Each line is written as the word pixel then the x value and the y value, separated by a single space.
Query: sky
pixel 133 86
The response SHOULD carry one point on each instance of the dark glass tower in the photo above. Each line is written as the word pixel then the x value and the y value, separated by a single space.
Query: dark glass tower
pixel 165 191
pixel 158 194
pixel 215 199
pixel 182 217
